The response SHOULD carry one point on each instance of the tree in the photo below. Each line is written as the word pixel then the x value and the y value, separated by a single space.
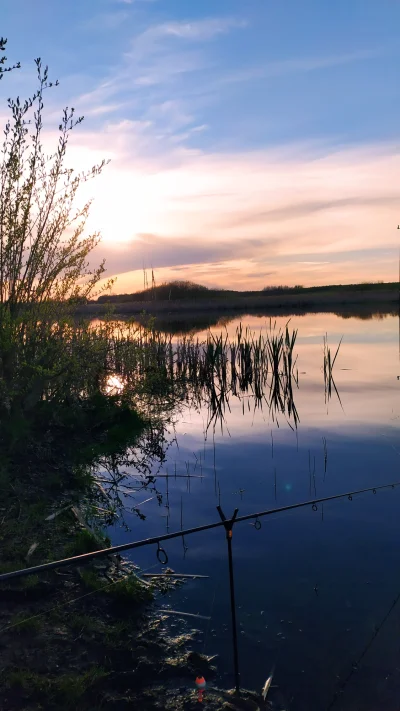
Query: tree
pixel 44 264
pixel 3 59
pixel 43 250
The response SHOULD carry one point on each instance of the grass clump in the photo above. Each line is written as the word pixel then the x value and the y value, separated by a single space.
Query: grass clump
pixel 129 591
pixel 117 634
pixel 24 624
pixel 72 687
pixel 26 679
pixel 85 623
pixel 30 582
pixel 91 579
pixel 86 541
pixel 65 690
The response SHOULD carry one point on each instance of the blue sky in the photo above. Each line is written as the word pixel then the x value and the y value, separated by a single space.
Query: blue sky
pixel 252 142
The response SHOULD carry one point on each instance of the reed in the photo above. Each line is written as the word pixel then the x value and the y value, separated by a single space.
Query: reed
pixel 259 369
pixel 329 363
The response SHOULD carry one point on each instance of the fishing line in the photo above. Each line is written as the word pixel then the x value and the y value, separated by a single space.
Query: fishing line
pixel 209 619
pixel 71 602
pixel 355 665
pixel 59 606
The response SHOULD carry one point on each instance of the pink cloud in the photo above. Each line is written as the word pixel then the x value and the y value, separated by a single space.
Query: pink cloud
pixel 296 214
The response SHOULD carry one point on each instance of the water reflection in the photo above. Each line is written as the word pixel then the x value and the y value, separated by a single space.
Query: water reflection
pixel 182 322
pixel 207 373
pixel 329 363
pixel 310 586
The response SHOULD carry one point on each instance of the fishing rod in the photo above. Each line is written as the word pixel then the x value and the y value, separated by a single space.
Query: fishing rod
pixel 161 554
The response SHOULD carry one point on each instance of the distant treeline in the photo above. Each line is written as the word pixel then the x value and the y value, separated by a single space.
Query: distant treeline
pixel 176 290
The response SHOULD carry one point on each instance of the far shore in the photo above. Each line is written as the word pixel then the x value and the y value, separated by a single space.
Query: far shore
pixel 385 301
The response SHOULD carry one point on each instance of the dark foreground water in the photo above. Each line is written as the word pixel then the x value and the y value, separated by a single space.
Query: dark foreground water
pixel 312 587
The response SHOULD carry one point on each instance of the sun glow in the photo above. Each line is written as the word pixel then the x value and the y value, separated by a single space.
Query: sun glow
pixel 125 206
pixel 303 220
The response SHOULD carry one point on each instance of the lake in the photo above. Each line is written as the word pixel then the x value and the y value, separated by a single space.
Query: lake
pixel 312 587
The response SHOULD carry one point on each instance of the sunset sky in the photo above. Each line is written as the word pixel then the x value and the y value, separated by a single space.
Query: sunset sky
pixel 253 142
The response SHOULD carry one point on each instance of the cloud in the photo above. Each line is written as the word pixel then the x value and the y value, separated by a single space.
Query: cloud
pixel 297 65
pixel 130 2
pixel 179 253
pixel 150 78
pixel 105 21
pixel 169 78
pixel 201 29
pixel 292 211
pixel 171 113
pixel 181 137
pixel 296 213
pixel 300 214
pixel 168 50
pixel 194 31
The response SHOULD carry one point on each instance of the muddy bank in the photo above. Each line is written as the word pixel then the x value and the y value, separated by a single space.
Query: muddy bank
pixel 82 637
pixel 87 638
pixel 94 637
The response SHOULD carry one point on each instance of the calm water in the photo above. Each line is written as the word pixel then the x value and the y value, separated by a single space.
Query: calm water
pixel 310 586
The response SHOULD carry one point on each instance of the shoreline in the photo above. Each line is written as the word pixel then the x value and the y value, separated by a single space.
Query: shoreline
pixel 180 317
pixel 89 634
pixel 272 304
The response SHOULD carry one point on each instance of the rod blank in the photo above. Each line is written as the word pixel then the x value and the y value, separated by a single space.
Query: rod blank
pixel 86 557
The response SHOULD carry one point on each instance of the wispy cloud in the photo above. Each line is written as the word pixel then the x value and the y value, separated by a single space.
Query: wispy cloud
pixel 201 29
pixel 130 2
pixel 294 211
pixel 323 215
pixel 196 31
pixel 299 212
pixel 239 148
pixel 297 65
pixel 170 49
pixel 181 137
pixel 158 61
pixel 104 21
pixel 168 75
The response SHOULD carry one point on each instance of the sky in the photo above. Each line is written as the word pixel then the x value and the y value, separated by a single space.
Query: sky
pixel 251 142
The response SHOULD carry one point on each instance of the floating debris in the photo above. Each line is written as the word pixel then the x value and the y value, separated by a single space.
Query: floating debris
pixel 31 550
pixel 57 513
pixel 265 689
pixel 184 614
pixel 174 575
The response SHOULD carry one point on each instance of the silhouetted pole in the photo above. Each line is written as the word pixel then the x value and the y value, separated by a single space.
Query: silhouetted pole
pixel 228 525
pixel 398 227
